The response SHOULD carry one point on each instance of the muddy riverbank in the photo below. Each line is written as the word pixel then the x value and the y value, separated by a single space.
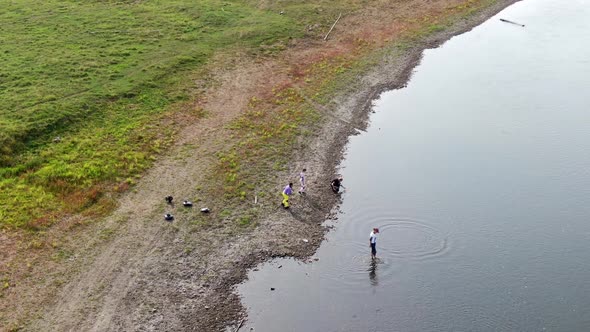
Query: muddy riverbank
pixel 475 174
pixel 352 111
pixel 154 276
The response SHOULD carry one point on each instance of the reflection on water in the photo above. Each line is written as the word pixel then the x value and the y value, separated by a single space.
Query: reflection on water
pixel 373 272
pixel 477 176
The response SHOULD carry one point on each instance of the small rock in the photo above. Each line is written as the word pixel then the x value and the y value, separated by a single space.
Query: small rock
pixel 280 266
pixel 272 288
pixel 206 307
pixel 205 210
pixel 305 240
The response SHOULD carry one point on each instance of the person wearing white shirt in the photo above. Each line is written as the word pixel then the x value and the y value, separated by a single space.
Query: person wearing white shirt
pixel 373 242
pixel 302 181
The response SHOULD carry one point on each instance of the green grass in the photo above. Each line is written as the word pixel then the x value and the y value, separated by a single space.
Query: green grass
pixel 60 58
pixel 107 76
pixel 102 75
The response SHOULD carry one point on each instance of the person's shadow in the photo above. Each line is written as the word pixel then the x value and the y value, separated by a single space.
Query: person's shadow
pixel 373 273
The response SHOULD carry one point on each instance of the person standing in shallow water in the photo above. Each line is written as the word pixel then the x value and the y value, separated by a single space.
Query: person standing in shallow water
pixel 373 242
pixel 288 191
pixel 302 181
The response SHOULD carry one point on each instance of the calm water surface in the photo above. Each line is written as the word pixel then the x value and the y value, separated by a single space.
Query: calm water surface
pixel 478 175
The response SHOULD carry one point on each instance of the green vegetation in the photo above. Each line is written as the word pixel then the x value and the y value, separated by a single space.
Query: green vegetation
pixel 105 76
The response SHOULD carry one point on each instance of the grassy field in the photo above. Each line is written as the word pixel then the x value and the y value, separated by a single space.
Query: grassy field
pixel 104 76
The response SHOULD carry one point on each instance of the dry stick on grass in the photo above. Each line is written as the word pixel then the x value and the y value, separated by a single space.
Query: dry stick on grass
pixel 333 25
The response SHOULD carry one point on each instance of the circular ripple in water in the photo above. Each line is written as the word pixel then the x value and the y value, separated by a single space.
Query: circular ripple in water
pixel 347 263
pixel 400 239
pixel 405 238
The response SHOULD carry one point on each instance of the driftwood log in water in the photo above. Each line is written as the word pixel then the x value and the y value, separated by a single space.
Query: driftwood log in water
pixel 507 21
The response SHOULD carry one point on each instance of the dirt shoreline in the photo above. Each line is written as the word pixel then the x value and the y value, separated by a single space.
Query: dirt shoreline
pixel 152 277
pixel 354 108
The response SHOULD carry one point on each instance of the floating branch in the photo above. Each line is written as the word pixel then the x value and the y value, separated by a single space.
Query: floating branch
pixel 507 21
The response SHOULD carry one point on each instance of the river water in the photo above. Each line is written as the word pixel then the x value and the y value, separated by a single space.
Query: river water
pixel 478 176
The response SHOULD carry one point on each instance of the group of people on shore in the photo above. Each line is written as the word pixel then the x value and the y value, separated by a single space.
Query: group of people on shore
pixel 335 185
